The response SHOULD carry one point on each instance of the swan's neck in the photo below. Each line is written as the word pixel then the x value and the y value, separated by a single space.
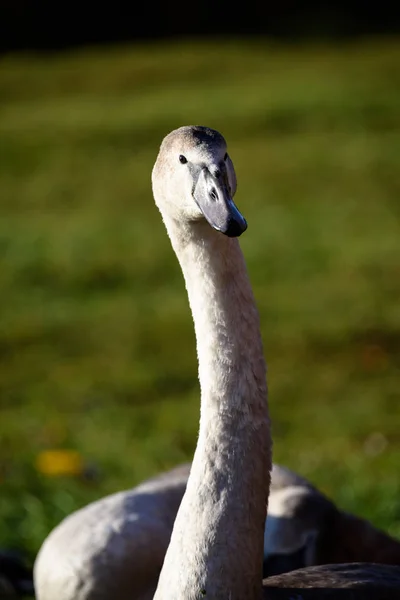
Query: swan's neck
pixel 216 548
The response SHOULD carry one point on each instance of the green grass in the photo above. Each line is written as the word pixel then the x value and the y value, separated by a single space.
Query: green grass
pixel 96 343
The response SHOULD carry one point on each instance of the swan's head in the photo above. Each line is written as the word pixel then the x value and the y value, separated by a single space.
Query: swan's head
pixel 194 179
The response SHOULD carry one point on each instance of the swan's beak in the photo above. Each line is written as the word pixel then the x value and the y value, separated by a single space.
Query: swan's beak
pixel 212 196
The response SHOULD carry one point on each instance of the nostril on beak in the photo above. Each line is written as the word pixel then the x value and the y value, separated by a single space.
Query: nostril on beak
pixel 213 194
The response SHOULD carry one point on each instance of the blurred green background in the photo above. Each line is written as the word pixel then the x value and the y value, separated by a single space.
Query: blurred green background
pixel 97 350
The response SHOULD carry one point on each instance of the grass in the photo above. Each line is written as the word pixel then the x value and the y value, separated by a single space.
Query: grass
pixel 96 343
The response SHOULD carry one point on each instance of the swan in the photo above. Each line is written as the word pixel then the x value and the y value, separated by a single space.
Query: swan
pixel 115 547
pixel 128 532
pixel 216 545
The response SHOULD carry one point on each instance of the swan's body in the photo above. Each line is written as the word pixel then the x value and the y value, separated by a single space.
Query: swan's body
pixel 115 547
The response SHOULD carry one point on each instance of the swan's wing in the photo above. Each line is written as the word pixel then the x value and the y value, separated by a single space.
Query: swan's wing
pixel 114 547
pixel 353 581
pixel 298 526
pixel 305 528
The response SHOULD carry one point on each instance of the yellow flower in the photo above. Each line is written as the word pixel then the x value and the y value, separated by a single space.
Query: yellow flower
pixel 60 462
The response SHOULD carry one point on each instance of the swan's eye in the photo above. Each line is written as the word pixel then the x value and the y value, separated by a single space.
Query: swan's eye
pixel 226 156
pixel 182 159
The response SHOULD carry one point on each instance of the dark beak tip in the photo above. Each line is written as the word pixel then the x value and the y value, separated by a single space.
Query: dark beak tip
pixel 236 228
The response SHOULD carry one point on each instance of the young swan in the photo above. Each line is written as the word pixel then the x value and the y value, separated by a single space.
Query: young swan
pixel 216 547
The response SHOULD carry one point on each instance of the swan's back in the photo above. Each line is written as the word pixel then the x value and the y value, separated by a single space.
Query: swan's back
pixel 282 477
pixel 114 547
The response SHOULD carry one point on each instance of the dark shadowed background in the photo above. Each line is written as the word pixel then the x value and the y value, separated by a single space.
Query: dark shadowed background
pixel 42 24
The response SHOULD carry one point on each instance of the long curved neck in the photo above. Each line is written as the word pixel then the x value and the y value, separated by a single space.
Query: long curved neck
pixel 216 548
